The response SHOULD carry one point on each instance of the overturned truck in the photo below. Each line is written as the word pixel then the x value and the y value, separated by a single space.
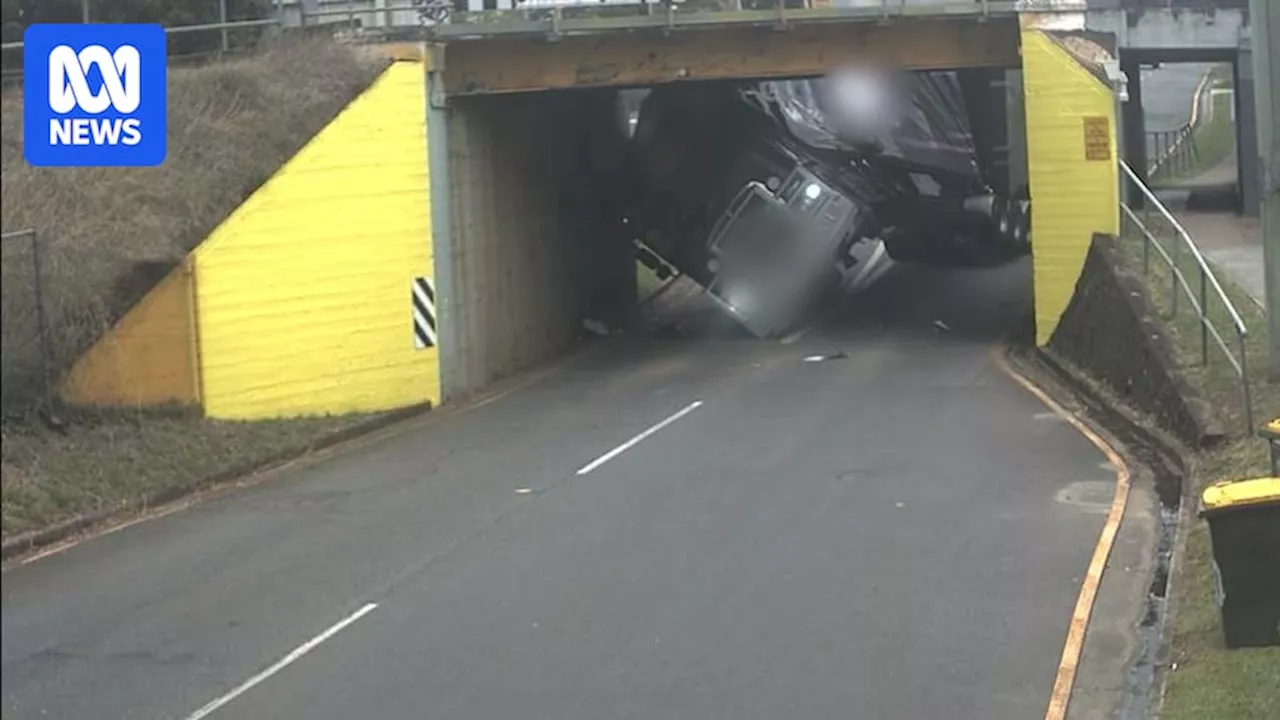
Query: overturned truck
pixel 771 194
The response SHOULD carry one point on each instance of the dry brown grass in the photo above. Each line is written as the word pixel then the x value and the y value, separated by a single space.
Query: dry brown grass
pixel 108 234
pixel 114 461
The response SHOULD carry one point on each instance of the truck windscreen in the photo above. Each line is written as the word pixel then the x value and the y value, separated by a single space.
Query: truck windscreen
pixel 804 192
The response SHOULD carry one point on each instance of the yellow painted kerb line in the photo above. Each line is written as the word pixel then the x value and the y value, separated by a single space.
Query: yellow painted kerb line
pixel 1074 647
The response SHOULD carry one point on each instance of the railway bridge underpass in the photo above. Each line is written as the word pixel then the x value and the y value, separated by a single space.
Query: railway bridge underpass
pixel 472 229
pixel 1150 33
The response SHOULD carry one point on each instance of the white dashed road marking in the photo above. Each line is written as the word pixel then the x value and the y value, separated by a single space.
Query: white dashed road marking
pixel 280 664
pixel 635 440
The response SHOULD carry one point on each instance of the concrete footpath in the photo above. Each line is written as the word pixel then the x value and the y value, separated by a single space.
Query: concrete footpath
pixel 1234 245
pixel 1230 241
pixel 717 528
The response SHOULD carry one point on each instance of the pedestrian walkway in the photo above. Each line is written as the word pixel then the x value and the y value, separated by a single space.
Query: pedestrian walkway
pixel 1230 241
pixel 1225 174
pixel 1233 244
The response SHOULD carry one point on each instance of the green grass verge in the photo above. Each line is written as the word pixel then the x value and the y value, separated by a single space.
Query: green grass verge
pixel 104 461
pixel 1208 680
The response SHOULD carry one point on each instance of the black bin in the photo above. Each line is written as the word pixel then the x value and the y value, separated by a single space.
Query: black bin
pixel 1244 526
pixel 1271 432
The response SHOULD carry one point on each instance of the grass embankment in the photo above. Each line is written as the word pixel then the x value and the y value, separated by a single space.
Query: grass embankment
pixel 107 235
pixel 1208 680
pixel 116 460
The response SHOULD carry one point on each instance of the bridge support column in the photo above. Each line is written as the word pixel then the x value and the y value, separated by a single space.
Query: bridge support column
pixel 1247 133
pixel 442 231
pixel 1134 127
pixel 1072 144
pixel 1016 124
pixel 1266 46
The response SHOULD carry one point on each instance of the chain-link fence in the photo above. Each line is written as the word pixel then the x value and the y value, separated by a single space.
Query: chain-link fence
pixel 25 352
pixel 52 309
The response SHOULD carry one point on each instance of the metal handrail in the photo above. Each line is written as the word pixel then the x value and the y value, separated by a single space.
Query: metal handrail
pixel 466 25
pixel 351 11
pixel 1191 245
pixel 179 29
pixel 1184 141
pixel 8 75
pixel 1198 301
pixel 1175 150
pixel 1180 278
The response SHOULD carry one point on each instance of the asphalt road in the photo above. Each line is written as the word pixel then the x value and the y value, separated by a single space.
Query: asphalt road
pixel 899 533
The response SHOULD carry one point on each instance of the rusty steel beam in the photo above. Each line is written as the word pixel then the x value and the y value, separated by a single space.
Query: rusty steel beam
pixel 505 65
pixel 396 50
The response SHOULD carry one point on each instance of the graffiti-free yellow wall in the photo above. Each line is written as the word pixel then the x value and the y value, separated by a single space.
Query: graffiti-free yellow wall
pixel 1072 171
pixel 147 358
pixel 304 292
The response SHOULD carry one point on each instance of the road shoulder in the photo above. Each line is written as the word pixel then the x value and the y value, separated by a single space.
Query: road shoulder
pixel 59 537
pixel 1115 665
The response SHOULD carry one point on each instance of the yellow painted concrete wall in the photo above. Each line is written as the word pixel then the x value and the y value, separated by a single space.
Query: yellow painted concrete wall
pixel 1073 196
pixel 148 358
pixel 304 292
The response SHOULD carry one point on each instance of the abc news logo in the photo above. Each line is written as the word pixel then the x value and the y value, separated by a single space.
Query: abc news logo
pixel 69 90
pixel 95 95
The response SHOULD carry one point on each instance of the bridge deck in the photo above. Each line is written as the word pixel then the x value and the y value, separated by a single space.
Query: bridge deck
pixel 514 64
pixel 593 20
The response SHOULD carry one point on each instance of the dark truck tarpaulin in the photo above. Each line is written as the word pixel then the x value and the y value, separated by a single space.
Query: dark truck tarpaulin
pixel 832 167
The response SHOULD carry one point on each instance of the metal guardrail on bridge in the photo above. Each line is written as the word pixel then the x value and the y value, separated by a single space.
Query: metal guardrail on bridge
pixel 572 18
pixel 226 43
pixel 1174 151
pixel 1197 298
pixel 180 29
pixel 469 19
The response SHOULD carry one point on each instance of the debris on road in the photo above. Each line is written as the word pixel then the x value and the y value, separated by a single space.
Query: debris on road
pixel 838 355
pixel 595 326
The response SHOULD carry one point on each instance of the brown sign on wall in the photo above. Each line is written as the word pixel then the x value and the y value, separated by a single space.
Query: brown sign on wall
pixel 1097 138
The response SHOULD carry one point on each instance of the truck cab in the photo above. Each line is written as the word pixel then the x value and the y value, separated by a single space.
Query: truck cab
pixel 775 249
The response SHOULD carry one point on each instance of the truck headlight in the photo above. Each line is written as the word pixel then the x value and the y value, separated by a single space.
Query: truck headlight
pixel 812 191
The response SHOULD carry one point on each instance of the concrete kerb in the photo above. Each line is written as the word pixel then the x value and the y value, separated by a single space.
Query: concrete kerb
pixel 1078 384
pixel 91 524
pixel 38 539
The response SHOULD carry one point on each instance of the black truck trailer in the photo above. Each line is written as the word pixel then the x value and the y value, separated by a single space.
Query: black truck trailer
pixel 768 194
